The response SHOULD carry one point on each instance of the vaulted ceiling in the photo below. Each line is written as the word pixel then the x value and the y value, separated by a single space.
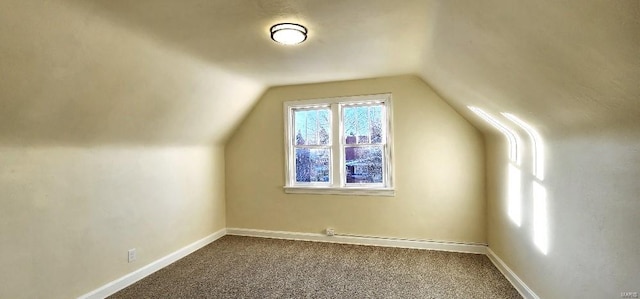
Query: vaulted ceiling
pixel 567 67
pixel 185 72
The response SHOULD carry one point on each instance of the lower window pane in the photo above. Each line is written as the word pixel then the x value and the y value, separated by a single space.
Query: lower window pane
pixel 363 164
pixel 312 165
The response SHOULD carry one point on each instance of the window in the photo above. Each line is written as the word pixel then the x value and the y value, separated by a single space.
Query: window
pixel 339 146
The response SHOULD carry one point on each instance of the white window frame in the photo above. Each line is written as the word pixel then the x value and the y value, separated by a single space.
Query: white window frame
pixel 337 179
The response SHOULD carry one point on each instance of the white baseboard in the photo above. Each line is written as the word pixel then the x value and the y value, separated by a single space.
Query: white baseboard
pixel 129 279
pixel 517 283
pixel 477 248
pixel 363 240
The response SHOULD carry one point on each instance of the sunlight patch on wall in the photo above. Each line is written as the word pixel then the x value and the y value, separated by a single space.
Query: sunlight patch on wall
pixel 537 148
pixel 512 136
pixel 539 191
pixel 540 221
pixel 514 204
pixel 514 175
pixel 518 175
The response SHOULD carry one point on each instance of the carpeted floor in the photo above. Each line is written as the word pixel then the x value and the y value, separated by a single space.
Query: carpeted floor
pixel 244 267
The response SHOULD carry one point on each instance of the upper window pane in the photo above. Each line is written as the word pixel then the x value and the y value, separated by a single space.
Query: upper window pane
pixel 312 127
pixel 363 124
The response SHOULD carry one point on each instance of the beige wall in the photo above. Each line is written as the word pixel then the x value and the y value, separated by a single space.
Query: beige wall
pixel 69 215
pixel 593 208
pixel 439 167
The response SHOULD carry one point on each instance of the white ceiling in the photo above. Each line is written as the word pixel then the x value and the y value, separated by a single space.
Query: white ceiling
pixel 101 71
pixel 347 39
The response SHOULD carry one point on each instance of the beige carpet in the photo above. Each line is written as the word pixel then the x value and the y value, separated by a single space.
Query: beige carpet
pixel 244 267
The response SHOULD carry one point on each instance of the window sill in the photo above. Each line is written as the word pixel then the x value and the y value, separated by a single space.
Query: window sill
pixel 341 191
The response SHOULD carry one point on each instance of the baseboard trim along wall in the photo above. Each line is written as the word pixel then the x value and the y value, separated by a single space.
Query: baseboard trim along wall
pixel 517 283
pixel 476 248
pixel 131 278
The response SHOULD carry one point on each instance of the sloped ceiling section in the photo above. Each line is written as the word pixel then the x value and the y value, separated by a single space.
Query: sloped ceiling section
pixel 71 76
pixel 568 67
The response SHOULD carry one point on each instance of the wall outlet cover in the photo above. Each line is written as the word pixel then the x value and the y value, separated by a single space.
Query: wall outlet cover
pixel 131 255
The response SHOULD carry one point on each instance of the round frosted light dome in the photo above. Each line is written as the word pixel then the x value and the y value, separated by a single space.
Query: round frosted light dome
pixel 288 33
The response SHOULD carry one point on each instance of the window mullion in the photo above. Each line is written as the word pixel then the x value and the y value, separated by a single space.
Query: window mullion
pixel 370 130
pixel 317 127
pixel 312 146
pixel 336 146
pixel 388 143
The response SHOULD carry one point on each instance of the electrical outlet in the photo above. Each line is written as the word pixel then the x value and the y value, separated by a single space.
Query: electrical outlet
pixel 131 255
pixel 330 231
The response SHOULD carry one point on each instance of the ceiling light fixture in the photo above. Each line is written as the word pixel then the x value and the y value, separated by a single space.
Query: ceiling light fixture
pixel 288 33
